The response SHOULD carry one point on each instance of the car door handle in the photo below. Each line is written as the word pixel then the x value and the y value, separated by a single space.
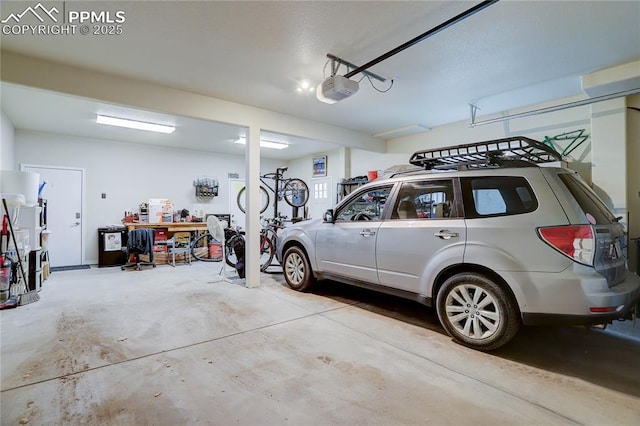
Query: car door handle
pixel 445 234
pixel 367 232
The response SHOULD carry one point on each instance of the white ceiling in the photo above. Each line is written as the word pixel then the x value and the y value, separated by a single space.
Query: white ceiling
pixel 43 111
pixel 512 54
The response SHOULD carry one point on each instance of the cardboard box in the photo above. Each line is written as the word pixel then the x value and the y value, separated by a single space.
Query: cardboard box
pixel 160 208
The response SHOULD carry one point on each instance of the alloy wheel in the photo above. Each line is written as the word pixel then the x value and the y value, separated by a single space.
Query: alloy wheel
pixel 473 311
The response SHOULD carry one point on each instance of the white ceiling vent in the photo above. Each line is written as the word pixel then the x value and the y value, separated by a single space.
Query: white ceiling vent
pixel 618 79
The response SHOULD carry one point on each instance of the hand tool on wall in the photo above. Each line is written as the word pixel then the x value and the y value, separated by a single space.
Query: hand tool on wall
pixel 29 296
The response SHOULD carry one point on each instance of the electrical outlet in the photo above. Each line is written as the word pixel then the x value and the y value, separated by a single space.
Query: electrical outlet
pixel 104 195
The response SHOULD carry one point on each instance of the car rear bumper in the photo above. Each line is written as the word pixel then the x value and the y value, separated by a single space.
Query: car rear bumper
pixel 625 313
pixel 576 296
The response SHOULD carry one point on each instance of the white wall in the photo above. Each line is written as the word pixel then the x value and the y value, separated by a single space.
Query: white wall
pixel 365 161
pixel 609 150
pixel 303 167
pixel 536 127
pixel 7 143
pixel 633 174
pixel 337 168
pixel 130 174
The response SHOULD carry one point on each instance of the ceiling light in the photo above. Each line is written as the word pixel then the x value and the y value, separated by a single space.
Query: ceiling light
pixel 133 124
pixel 305 87
pixel 263 144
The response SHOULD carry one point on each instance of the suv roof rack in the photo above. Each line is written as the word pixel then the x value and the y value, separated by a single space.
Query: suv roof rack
pixel 517 151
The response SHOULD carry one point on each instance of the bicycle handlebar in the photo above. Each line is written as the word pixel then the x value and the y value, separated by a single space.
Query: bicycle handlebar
pixel 278 174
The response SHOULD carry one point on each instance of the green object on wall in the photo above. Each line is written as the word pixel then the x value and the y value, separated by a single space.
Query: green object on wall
pixel 577 138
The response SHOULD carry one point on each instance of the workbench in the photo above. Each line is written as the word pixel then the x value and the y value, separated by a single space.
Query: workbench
pixel 171 227
pixel 161 256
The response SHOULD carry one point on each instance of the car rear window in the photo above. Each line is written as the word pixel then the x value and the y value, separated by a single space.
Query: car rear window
pixel 596 212
pixel 497 196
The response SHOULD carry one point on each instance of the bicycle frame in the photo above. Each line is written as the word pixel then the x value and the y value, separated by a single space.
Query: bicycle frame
pixel 278 178
pixel 293 190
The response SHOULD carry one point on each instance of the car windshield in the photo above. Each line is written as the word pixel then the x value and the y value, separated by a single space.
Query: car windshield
pixel 367 205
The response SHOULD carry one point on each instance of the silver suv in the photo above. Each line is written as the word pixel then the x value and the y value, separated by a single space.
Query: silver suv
pixel 485 235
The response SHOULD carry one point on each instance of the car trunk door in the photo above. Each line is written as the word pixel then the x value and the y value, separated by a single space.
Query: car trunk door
pixel 585 207
pixel 608 258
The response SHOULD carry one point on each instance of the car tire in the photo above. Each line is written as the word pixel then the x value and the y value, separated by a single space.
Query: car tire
pixel 477 312
pixel 297 270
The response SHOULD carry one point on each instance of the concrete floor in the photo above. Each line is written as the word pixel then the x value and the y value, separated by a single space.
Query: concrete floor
pixel 178 346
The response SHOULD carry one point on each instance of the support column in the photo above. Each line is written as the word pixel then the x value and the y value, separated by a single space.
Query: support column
pixel 609 159
pixel 608 153
pixel 252 216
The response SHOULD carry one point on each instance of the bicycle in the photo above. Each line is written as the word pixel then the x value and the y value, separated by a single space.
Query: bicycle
pixel 200 248
pixel 294 191
pixel 269 232
pixel 267 249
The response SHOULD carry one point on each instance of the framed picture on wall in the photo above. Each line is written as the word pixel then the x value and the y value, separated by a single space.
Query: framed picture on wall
pixel 320 166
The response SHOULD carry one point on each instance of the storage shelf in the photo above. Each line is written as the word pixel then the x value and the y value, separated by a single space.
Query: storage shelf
pixel 347 186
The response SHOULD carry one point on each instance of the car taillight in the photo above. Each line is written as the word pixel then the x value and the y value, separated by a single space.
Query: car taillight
pixel 575 241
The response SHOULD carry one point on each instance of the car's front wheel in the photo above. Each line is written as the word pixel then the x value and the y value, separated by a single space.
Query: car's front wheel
pixel 477 312
pixel 297 270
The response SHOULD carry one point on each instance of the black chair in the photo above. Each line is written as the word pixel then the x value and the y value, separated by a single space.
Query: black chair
pixel 139 242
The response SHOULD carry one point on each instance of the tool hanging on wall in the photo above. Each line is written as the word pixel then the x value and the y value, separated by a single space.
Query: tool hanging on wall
pixel 7 300
pixel 206 187
pixel 30 295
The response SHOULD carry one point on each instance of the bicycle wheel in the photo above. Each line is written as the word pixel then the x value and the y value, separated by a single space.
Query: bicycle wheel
pixel 296 192
pixel 267 252
pixel 229 254
pixel 200 249
pixel 242 199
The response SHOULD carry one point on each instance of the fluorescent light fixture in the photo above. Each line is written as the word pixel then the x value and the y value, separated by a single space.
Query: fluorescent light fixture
pixel 133 124
pixel 263 144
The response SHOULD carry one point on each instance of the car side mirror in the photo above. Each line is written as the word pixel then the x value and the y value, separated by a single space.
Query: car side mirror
pixel 328 216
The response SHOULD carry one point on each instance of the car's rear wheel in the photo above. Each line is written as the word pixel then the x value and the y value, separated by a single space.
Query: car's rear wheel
pixel 477 312
pixel 297 270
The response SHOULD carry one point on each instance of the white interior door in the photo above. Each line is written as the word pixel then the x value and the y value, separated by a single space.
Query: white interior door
pixel 321 197
pixel 63 192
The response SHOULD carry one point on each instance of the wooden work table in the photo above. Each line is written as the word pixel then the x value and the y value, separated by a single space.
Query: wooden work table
pixel 170 226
